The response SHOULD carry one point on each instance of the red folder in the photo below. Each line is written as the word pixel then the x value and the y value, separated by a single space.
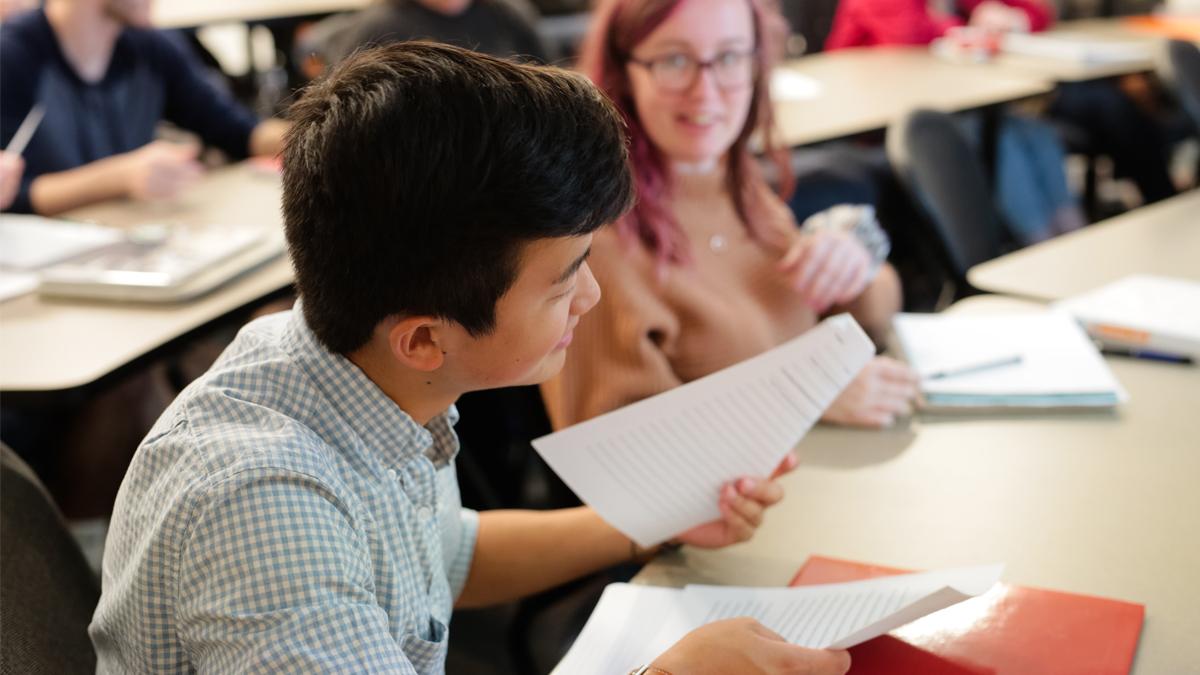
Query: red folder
pixel 1010 630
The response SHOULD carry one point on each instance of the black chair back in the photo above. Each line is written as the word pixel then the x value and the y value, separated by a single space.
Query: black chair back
pixel 934 160
pixel 47 590
pixel 1185 72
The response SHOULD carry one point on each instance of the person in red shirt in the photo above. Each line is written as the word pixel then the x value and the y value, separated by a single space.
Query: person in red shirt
pixel 1116 123
pixel 867 23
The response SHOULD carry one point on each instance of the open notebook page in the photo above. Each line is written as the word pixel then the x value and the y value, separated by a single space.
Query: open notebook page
pixel 1056 357
pixel 655 468
pixel 632 625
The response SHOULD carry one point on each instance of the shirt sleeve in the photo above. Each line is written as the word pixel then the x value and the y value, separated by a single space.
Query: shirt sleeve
pixel 460 566
pixel 897 22
pixel 195 104
pixel 275 578
pixel 620 350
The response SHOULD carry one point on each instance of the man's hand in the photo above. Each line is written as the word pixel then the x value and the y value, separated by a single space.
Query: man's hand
pixel 882 391
pixel 160 170
pixel 827 268
pixel 743 503
pixel 746 647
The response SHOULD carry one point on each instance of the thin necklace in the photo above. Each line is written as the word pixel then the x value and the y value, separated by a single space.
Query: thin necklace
pixel 717 243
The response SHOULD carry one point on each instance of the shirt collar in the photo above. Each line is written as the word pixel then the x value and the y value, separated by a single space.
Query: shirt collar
pixel 386 428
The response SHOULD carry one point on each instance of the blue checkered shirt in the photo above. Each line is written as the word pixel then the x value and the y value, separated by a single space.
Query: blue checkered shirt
pixel 284 515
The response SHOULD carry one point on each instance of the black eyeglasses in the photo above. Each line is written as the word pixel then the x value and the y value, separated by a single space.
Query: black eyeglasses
pixel 732 69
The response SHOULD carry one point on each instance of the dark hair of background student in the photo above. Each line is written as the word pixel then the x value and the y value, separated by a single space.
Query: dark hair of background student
pixel 415 173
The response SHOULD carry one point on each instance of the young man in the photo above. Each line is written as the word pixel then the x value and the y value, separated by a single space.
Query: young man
pixel 296 508
pixel 106 80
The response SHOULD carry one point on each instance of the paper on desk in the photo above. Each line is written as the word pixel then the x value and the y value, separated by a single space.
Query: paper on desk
pixel 30 242
pixel 789 85
pixel 1081 49
pixel 631 625
pixel 1059 366
pixel 842 615
pixel 655 468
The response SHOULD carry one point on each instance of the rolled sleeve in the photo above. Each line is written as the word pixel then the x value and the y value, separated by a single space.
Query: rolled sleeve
pixel 460 564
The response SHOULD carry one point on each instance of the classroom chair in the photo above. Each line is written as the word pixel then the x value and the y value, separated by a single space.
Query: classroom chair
pixel 1184 58
pixel 933 159
pixel 47 587
pixel 498 468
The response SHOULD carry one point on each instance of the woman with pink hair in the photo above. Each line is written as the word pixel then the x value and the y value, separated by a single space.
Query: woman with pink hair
pixel 710 267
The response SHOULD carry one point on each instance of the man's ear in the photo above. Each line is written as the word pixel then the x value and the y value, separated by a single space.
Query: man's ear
pixel 414 342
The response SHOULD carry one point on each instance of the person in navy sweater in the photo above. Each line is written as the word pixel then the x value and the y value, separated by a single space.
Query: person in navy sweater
pixel 106 80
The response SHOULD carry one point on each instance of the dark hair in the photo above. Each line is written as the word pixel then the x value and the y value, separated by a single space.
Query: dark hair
pixel 414 175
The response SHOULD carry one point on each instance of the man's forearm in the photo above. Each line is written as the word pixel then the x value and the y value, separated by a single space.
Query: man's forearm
pixel 519 553
pixel 54 193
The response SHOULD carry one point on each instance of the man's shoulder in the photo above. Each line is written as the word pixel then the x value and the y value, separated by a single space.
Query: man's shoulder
pixel 255 408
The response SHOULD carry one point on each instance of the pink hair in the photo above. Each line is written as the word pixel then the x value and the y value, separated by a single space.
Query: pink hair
pixel 618 26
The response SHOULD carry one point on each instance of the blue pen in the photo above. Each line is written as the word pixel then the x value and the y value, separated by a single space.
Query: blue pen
pixel 1148 355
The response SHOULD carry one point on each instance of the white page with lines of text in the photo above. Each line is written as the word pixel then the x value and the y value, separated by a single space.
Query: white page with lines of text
pixel 655 468
pixel 632 625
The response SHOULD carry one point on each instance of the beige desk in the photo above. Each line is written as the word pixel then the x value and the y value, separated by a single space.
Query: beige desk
pixel 866 89
pixel 190 13
pixel 1099 504
pixel 1162 238
pixel 50 345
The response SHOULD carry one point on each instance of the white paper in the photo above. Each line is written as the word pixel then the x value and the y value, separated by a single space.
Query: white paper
pixel 843 615
pixel 1160 312
pixel 1058 364
pixel 789 85
pixel 15 284
pixel 29 242
pixel 1081 49
pixel 632 625
pixel 655 468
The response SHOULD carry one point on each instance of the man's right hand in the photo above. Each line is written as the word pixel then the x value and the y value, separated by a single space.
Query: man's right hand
pixel 161 170
pixel 746 647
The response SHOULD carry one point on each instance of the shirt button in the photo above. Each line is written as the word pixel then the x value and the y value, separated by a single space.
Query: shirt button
pixel 424 513
pixel 392 474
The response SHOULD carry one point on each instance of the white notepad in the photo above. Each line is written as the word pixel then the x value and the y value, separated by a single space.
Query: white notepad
pixel 631 625
pixel 1057 366
pixel 1082 49
pixel 655 468
pixel 32 242
pixel 1142 312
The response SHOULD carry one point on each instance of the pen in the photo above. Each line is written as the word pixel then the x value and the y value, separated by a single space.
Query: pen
pixel 1148 355
pixel 25 132
pixel 979 366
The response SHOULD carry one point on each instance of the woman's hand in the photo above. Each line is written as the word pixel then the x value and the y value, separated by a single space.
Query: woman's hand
pixel 827 267
pixel 884 390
